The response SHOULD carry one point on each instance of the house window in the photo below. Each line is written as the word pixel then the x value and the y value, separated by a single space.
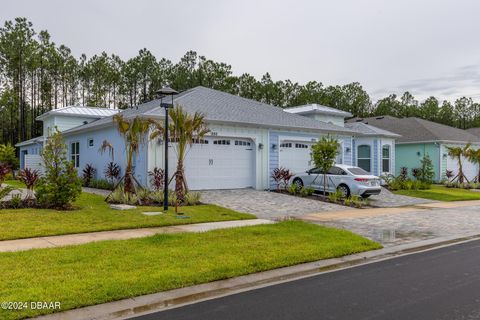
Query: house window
pixel 91 143
pixel 75 153
pixel 364 158
pixel 241 143
pixel 386 158
pixel 200 141
pixel 301 146
pixel 223 142
pixel 286 145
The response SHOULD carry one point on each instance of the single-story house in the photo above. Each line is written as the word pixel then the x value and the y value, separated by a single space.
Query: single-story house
pixel 248 139
pixel 420 137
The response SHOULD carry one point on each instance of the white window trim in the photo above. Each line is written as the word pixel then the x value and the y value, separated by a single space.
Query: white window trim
pixel 75 164
pixel 371 159
pixel 389 158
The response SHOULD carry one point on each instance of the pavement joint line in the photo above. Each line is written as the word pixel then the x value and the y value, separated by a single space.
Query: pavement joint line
pixel 142 305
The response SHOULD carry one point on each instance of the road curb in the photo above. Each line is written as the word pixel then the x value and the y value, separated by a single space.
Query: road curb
pixel 145 304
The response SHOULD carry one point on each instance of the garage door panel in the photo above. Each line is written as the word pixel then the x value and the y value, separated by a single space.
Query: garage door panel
pixel 220 165
pixel 295 156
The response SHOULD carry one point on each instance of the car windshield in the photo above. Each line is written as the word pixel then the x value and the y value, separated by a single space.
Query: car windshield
pixel 358 171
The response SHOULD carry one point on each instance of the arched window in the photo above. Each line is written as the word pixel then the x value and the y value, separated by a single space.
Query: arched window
pixel 386 158
pixel 364 158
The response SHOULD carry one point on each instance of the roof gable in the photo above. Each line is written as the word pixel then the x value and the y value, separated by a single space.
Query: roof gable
pixel 419 130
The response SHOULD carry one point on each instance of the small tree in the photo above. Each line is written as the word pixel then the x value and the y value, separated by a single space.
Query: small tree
pixel 426 171
pixel 4 170
pixel 60 186
pixel 30 178
pixel 112 172
pixel 157 177
pixel 7 156
pixel 324 153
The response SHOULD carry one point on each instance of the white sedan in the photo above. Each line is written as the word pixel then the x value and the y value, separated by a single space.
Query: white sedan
pixel 348 180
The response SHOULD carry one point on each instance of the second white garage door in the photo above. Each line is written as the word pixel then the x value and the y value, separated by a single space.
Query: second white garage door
pixel 295 156
pixel 218 163
pixel 469 169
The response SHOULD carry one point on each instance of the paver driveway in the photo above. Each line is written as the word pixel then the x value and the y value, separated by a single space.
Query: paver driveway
pixel 392 226
pixel 265 204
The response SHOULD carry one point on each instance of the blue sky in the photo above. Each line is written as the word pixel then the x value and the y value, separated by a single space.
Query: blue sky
pixel 429 47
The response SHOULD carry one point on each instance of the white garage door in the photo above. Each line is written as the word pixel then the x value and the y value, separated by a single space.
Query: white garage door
pixel 218 163
pixel 469 169
pixel 295 156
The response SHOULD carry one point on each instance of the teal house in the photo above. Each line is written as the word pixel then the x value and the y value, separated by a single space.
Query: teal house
pixel 420 137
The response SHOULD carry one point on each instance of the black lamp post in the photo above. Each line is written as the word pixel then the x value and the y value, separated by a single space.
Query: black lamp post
pixel 166 91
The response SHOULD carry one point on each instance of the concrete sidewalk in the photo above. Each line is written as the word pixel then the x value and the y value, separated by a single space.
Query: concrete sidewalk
pixel 82 238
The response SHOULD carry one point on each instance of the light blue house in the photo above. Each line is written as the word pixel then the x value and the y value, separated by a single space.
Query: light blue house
pixel 248 139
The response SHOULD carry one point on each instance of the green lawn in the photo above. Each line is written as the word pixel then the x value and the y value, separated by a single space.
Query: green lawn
pixel 15 183
pixel 111 270
pixel 442 193
pixel 93 214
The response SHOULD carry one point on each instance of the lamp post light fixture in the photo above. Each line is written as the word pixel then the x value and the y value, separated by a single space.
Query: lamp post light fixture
pixel 163 92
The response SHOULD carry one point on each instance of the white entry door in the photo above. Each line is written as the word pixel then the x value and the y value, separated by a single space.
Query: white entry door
pixel 295 156
pixel 218 163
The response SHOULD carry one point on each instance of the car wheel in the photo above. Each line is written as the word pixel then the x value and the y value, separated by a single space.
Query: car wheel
pixel 298 183
pixel 344 190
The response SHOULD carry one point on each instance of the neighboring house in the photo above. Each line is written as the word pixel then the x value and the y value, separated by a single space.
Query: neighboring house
pixel 370 148
pixel 421 137
pixel 248 139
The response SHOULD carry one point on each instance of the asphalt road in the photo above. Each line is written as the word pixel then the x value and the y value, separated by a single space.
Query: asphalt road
pixel 438 284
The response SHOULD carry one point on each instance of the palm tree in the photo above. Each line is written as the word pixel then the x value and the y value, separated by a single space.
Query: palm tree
pixel 134 133
pixel 458 153
pixel 474 156
pixel 184 130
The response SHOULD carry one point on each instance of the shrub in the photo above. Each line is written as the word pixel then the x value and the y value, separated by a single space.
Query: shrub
pixel 60 186
pixel 7 156
pixel 88 174
pixel 157 177
pixel 307 191
pixel 4 171
pixel 16 201
pixel 101 184
pixel 335 196
pixel 292 189
pixel 416 173
pixel 112 172
pixel 143 195
pixel 281 176
pixel 403 173
pixel 156 197
pixel 192 198
pixel 426 171
pixel 4 191
pixel 172 198
pixel 29 177
pixel 449 174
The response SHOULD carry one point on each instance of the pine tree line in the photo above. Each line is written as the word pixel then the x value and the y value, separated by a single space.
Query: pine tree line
pixel 37 75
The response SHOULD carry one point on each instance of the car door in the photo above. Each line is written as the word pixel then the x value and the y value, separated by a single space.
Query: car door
pixel 335 177
pixel 315 179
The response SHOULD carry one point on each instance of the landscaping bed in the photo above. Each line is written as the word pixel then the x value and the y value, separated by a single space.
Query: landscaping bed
pixel 100 272
pixel 92 213
pixel 442 193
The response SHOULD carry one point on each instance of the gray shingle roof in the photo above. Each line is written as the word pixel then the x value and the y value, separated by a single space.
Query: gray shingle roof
pixel 218 106
pixel 418 130
pixel 35 140
pixel 474 131
pixel 370 130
